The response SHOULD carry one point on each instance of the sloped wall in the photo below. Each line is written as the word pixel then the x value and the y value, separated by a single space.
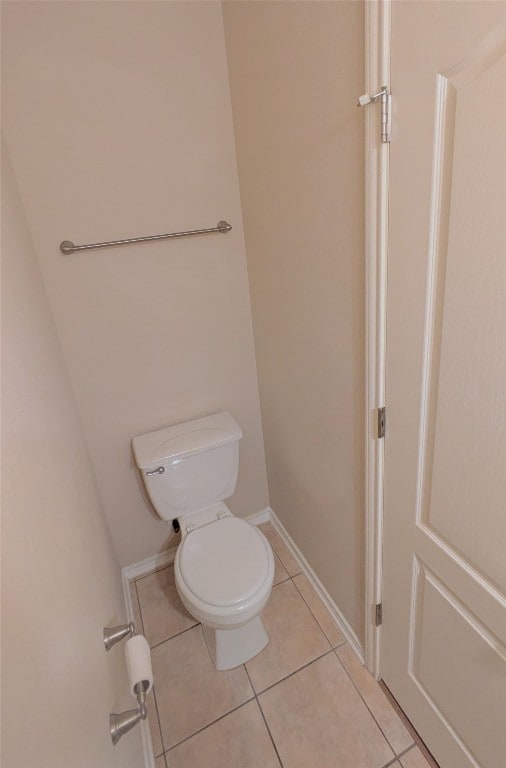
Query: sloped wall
pixel 119 124
pixel 61 583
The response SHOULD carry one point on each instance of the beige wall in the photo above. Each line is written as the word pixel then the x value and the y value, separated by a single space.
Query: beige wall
pixel 60 579
pixel 296 69
pixel 119 124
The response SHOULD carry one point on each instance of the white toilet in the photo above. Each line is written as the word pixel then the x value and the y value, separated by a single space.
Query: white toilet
pixel 224 566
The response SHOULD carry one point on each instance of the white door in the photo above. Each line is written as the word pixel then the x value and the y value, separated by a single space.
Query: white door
pixel 443 652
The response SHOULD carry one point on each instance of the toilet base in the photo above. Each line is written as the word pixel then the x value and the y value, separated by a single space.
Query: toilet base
pixel 229 648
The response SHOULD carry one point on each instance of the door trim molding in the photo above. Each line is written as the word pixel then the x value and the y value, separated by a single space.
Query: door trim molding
pixel 377 74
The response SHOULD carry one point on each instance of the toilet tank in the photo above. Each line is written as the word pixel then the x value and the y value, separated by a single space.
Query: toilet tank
pixel 190 466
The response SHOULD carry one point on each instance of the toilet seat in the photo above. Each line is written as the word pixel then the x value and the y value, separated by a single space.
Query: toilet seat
pixel 224 571
pixel 225 562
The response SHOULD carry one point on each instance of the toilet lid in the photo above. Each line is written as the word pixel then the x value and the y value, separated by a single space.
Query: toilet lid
pixel 225 562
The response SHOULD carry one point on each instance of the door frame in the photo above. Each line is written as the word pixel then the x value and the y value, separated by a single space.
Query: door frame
pixel 377 74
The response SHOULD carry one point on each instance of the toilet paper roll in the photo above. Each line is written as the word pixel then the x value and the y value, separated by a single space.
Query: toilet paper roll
pixel 138 659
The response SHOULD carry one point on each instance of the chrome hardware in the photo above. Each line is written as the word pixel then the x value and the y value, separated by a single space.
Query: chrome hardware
pixel 385 97
pixel 378 614
pixel 366 99
pixel 120 723
pixel 67 246
pixel 157 471
pixel 113 635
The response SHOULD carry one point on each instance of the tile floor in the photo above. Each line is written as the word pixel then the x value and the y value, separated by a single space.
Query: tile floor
pixel 304 702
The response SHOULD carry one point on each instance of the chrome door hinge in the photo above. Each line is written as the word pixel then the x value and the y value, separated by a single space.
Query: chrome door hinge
pixel 382 422
pixel 379 615
pixel 385 98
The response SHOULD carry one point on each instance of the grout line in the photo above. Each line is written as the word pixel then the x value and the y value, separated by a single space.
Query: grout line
pixel 333 649
pixel 408 749
pixel 278 537
pixel 317 658
pixel 254 697
pixel 369 709
pixel 392 762
pixel 157 711
pixel 277 557
pixel 161 642
pixel 151 573
pixel 157 645
pixel 205 727
pixel 264 718
pixel 132 583
pixel 304 567
pixel 341 642
pixel 283 581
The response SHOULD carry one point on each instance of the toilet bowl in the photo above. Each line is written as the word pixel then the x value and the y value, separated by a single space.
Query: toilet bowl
pixel 224 566
pixel 224 572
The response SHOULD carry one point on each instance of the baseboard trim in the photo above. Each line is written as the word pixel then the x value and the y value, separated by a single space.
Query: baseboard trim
pixel 150 564
pixel 126 577
pixel 258 518
pixel 320 590
pixel 143 568
pixel 165 558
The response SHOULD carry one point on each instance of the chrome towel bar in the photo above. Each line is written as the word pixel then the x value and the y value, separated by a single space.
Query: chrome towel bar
pixel 68 247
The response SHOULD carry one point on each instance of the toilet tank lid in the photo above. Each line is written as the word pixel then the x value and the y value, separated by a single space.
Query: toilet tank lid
pixel 182 440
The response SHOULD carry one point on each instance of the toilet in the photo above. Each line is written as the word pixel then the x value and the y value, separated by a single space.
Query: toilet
pixel 224 566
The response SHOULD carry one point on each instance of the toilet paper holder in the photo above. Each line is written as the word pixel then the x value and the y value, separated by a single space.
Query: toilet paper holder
pixel 121 722
pixel 113 635
pixel 140 675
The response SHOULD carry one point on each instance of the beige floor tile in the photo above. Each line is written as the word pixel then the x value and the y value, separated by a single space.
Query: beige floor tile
pixel 190 692
pixel 387 717
pixel 163 614
pixel 280 549
pixel 239 740
pixel 317 718
pixel 415 759
pixel 154 727
pixel 295 638
pixel 323 617
pixel 160 762
pixel 280 572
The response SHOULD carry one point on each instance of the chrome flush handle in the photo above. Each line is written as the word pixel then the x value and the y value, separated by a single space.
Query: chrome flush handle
pixel 157 471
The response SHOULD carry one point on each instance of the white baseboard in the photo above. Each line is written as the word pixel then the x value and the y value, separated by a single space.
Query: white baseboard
pixel 150 564
pixel 147 744
pixel 320 590
pixel 162 559
pixel 258 518
pixel 167 556
pixel 143 568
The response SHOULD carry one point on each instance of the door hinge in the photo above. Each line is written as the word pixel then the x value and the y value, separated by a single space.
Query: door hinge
pixel 385 98
pixel 382 422
pixel 379 615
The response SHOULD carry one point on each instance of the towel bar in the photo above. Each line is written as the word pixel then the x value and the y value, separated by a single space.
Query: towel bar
pixel 67 246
